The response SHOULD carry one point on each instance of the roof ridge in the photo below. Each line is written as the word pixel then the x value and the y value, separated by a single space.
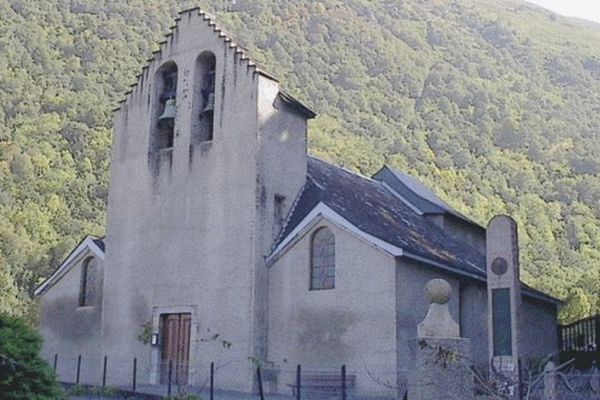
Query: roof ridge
pixel 430 197
pixel 346 170
pixel 398 174
pixel 238 49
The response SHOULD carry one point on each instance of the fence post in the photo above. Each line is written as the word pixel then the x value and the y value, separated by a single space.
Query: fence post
pixel 550 381
pixel 170 375
pixel 344 382
pixel 78 369
pixel 559 337
pixel 55 362
pixel 298 381
pixel 104 372
pixel 520 380
pixel 597 332
pixel 212 381
pixel 260 387
pixel 134 372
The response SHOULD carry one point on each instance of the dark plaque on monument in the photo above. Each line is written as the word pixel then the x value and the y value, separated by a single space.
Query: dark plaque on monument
pixel 504 302
pixel 499 266
pixel 502 323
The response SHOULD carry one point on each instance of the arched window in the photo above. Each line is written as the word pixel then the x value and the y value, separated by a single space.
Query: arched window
pixel 204 98
pixel 164 110
pixel 88 282
pixel 322 260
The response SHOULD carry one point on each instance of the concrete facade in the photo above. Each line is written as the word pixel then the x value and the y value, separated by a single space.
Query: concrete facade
pixel 192 229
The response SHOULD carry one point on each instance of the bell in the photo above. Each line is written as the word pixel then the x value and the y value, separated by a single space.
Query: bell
pixel 168 115
pixel 210 104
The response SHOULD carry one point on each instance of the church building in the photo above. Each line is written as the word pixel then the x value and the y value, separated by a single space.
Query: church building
pixel 227 243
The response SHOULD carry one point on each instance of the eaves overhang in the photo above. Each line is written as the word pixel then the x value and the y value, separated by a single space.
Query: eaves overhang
pixel 323 212
pixel 86 245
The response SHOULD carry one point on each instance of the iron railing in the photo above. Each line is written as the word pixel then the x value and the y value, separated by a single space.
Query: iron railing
pixel 581 341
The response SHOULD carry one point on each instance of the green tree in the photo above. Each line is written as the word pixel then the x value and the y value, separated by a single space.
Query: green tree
pixel 577 306
pixel 23 374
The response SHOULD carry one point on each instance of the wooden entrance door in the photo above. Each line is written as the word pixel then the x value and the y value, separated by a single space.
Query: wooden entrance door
pixel 175 332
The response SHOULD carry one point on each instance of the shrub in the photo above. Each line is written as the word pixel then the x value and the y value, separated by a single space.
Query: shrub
pixel 23 374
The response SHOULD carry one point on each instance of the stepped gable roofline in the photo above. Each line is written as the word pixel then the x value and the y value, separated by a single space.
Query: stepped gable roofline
pixel 89 244
pixel 369 210
pixel 239 50
pixel 416 195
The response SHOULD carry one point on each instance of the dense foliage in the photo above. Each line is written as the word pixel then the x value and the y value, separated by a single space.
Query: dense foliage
pixel 494 104
pixel 23 374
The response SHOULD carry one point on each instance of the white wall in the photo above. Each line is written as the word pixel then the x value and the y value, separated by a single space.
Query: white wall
pixel 353 324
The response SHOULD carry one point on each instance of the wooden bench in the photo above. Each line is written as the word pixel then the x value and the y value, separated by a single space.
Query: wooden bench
pixel 324 386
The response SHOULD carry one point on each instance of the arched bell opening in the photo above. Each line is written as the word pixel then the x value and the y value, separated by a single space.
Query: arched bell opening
pixel 204 98
pixel 165 107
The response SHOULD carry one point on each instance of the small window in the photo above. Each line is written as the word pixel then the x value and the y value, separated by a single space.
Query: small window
pixel 322 257
pixel 88 278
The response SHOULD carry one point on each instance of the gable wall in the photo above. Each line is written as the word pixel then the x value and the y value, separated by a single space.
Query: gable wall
pixel 353 324
pixel 69 330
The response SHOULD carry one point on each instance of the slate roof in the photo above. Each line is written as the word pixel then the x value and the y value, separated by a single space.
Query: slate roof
pixel 416 193
pixel 100 243
pixel 374 209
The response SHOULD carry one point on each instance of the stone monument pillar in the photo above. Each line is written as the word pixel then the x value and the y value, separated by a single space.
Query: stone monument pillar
pixel 441 358
pixel 504 301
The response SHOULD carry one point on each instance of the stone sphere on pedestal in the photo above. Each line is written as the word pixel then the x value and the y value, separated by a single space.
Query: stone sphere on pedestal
pixel 429 378
pixel 438 291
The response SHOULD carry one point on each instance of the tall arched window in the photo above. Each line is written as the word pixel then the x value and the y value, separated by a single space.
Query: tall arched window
pixel 164 110
pixel 88 282
pixel 322 260
pixel 204 98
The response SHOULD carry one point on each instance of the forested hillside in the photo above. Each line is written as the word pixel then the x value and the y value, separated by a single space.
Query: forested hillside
pixel 495 105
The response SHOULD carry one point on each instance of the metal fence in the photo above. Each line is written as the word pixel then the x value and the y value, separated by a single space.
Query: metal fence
pixel 581 341
pixel 207 381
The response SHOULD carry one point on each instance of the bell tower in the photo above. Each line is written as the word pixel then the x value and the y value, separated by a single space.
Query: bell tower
pixel 207 155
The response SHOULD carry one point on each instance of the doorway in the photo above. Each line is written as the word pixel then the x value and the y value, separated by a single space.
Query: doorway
pixel 175 348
